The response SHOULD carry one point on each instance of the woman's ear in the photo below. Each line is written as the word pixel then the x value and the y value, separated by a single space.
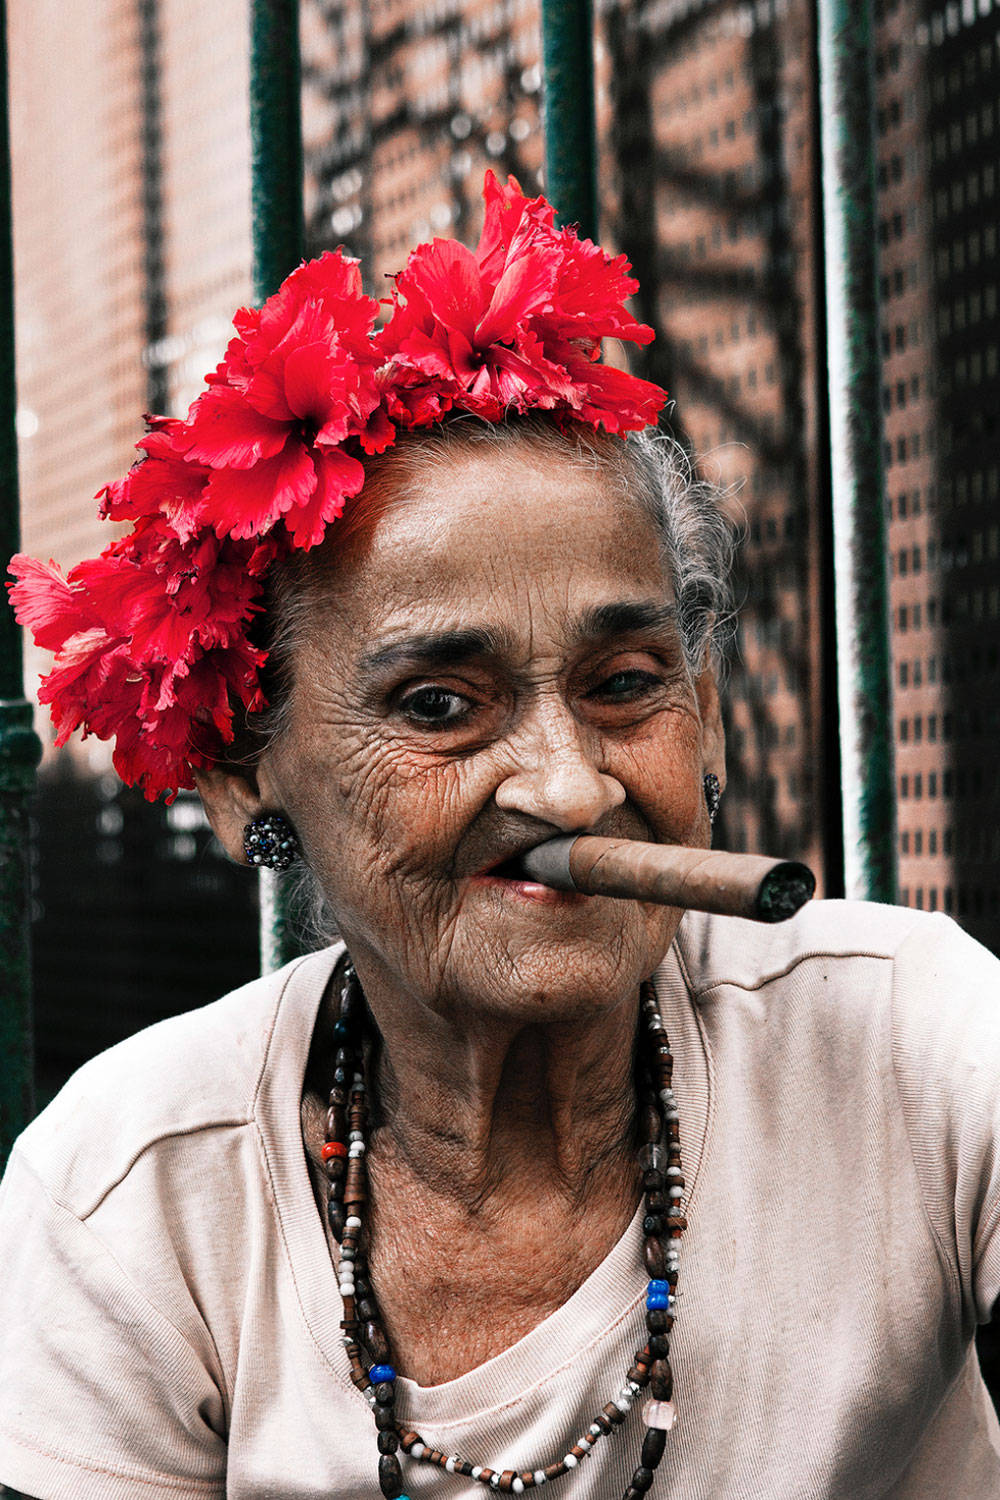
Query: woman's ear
pixel 231 799
pixel 713 736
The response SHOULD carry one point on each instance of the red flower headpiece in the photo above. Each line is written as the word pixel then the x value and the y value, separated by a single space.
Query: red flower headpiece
pixel 152 638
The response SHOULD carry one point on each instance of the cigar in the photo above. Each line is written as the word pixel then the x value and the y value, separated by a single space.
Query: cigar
pixel 732 885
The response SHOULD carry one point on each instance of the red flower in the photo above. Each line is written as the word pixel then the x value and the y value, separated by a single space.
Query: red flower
pixel 297 382
pixel 511 326
pixel 150 641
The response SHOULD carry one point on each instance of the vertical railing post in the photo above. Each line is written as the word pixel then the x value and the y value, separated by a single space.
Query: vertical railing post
pixel 861 604
pixel 278 246
pixel 568 96
pixel 276 142
pixel 19 746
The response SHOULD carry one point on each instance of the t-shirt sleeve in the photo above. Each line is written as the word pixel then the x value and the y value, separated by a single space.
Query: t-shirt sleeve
pixel 101 1396
pixel 946 1057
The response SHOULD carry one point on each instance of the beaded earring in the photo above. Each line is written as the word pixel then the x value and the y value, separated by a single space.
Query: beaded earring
pixel 368 1351
pixel 269 842
pixel 713 795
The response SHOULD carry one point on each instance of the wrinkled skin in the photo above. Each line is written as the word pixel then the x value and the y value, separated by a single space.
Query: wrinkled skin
pixel 507 1011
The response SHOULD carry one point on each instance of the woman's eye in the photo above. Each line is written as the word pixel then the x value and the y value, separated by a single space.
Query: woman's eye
pixel 626 686
pixel 433 706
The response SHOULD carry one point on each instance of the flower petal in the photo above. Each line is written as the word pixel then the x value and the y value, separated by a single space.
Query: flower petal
pixel 224 431
pixel 248 502
pixel 338 476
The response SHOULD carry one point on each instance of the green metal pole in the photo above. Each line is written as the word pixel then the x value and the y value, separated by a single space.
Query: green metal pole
pixel 276 142
pixel 850 223
pixel 19 746
pixel 570 132
pixel 278 246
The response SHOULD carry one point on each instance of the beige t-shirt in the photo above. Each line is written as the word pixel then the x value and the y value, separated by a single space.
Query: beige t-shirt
pixel 169 1315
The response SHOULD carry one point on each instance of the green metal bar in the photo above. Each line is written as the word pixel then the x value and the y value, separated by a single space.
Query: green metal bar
pixel 847 109
pixel 570 132
pixel 19 746
pixel 278 246
pixel 276 142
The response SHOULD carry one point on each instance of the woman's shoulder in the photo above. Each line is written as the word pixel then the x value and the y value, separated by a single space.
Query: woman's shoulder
pixel 852 942
pixel 203 1070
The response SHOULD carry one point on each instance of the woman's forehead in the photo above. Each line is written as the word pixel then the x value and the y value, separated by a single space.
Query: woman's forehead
pixel 506 526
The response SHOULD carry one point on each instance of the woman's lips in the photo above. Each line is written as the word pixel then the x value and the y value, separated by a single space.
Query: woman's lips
pixel 507 881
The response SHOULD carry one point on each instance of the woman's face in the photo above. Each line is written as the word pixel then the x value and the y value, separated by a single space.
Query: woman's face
pixel 496 663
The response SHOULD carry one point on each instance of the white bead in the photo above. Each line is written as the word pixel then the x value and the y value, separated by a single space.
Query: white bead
pixel 674 1172
pixel 660 1414
pixel 623 1405
pixel 539 1476
pixel 477 1471
pixel 418 1450
pixel 517 1485
pixel 347 1289
pixel 675 1192
pixel 450 1465
pixel 635 1389
pixel 356 1135
pixel 585 1444
pixel 352 1222
pixel 356 1149
pixel 594 1430
pixel 494 1481
pixel 571 1460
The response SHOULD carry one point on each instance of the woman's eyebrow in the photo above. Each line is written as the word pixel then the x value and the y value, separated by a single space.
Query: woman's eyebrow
pixel 628 617
pixel 439 648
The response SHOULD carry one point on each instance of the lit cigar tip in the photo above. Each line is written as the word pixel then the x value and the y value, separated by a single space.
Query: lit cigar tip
pixel 784 890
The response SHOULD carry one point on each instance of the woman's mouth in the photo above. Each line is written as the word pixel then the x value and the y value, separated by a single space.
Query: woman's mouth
pixel 510 879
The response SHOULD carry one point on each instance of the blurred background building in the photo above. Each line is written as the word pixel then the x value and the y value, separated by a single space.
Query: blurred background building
pixel 132 245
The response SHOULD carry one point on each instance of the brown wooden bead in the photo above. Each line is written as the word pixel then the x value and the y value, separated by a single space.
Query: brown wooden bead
pixel 642 1479
pixel 661 1380
pixel 655 1257
pixel 375 1340
pixel 653 1445
pixel 552 1471
pixel 390 1476
pixel 388 1441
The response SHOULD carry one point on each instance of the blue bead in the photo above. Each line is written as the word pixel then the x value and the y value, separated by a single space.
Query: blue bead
pixel 378 1373
pixel 659 1286
pixel 657 1300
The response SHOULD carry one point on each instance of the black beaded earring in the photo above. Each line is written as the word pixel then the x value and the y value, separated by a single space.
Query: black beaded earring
pixel 713 795
pixel 269 842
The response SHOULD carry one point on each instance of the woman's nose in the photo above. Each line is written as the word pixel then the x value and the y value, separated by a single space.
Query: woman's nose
pixel 556 779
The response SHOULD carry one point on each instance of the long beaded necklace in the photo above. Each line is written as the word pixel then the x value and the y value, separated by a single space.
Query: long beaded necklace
pixel 364 1335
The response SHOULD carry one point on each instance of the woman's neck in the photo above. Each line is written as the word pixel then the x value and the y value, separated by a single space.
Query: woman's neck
pixel 495 1111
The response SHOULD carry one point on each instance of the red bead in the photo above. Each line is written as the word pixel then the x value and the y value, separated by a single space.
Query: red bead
pixel 333 1148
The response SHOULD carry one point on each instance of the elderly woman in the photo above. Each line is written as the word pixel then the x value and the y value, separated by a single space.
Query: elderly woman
pixel 408 1216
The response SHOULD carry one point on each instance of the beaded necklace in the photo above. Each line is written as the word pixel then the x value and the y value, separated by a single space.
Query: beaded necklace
pixel 364 1335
